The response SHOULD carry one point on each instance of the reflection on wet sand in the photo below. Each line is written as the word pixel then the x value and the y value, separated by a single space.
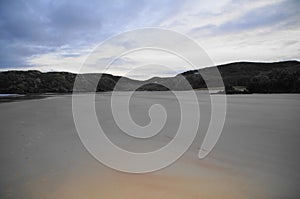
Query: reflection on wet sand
pixel 186 179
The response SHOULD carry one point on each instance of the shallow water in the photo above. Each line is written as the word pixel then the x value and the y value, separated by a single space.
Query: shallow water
pixel 9 95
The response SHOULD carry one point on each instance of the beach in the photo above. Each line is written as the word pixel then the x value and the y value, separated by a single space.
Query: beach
pixel 255 157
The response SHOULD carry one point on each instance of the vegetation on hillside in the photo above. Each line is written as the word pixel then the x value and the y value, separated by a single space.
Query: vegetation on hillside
pixel 241 77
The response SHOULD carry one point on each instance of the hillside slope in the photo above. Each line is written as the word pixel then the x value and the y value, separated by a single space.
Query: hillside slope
pixel 251 77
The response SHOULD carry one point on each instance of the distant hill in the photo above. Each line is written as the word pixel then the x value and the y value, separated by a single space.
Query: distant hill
pixel 278 77
pixel 240 77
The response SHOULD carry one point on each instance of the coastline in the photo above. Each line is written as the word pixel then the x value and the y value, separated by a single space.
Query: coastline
pixel 6 98
pixel 14 98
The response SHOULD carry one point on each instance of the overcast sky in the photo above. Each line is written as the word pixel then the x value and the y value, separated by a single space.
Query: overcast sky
pixel 58 35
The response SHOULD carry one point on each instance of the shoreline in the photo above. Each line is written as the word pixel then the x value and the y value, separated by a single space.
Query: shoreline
pixel 7 98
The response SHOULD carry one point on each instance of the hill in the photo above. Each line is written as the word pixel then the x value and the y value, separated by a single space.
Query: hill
pixel 239 77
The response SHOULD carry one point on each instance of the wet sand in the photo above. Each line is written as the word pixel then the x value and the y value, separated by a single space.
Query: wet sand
pixel 256 156
pixel 5 98
pixel 103 183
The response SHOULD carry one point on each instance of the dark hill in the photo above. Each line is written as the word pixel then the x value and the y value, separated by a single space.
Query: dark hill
pixel 240 77
pixel 278 77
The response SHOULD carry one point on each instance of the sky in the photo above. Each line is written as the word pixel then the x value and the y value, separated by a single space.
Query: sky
pixel 59 35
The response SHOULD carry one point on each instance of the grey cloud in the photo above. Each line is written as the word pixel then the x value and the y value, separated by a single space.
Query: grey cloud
pixel 70 55
pixel 52 24
pixel 277 16
pixel 29 28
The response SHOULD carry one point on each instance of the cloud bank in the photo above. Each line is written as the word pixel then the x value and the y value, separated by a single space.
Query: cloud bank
pixel 59 35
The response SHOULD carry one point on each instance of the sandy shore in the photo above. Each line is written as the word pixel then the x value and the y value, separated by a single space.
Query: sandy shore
pixel 256 157
pixel 171 183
